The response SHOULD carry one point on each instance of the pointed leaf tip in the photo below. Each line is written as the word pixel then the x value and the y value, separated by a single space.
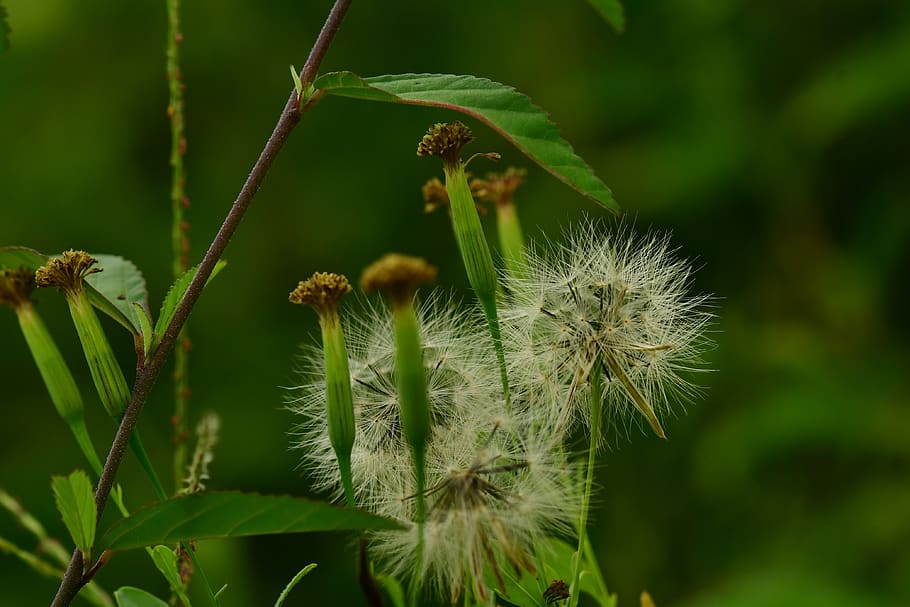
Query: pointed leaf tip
pixel 509 112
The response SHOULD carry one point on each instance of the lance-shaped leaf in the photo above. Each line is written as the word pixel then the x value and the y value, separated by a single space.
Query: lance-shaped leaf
pixel 173 297
pixel 166 562
pixel 507 111
pixel 76 503
pixel 232 514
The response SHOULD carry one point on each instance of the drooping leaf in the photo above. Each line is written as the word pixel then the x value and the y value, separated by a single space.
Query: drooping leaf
pixel 116 288
pixel 612 12
pixel 128 596
pixel 166 562
pixel 287 589
pixel 12 258
pixel 173 297
pixel 233 514
pixel 4 30
pixel 512 114
pixel 76 503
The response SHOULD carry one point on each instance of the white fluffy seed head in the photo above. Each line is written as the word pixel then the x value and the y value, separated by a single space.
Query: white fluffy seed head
pixel 460 369
pixel 600 295
pixel 492 493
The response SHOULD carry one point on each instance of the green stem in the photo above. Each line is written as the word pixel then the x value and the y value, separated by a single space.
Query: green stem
pixel 489 310
pixel 596 411
pixel 179 232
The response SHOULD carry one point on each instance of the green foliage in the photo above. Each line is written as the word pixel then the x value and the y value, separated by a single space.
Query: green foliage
pixel 76 504
pixel 232 514
pixel 296 579
pixel 166 561
pixel 117 288
pixel 18 257
pixel 510 113
pixel 173 297
pixel 128 596
pixel 612 12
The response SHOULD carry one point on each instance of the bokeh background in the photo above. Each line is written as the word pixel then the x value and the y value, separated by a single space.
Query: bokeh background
pixel 771 138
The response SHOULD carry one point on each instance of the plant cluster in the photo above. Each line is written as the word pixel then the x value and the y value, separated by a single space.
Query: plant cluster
pixel 448 428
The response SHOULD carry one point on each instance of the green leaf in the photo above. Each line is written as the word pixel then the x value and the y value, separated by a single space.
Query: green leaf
pixel 393 590
pixel 12 258
pixel 233 514
pixel 612 12
pixel 128 596
pixel 287 589
pixel 173 297
pixel 512 114
pixel 4 30
pixel 116 289
pixel 76 503
pixel 298 86
pixel 166 562
pixel 145 327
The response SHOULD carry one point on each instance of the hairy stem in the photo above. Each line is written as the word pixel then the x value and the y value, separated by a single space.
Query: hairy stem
pixel 180 243
pixel 290 116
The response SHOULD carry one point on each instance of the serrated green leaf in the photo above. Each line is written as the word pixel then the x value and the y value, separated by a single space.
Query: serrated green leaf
pixel 128 596
pixel 233 514
pixel 12 258
pixel 173 297
pixel 612 12
pixel 4 30
pixel 116 288
pixel 512 114
pixel 166 562
pixel 287 589
pixel 76 503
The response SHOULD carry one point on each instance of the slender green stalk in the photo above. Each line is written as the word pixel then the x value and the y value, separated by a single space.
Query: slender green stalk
pixel 397 277
pixel 74 579
pixel 59 381
pixel 596 414
pixel 445 141
pixel 323 292
pixel 180 244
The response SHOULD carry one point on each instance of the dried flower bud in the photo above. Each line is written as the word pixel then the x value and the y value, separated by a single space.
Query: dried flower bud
pixel 445 140
pixel 397 277
pixel 16 287
pixel 322 291
pixel 67 271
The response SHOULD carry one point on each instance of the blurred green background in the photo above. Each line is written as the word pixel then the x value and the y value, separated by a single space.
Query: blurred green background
pixel 770 138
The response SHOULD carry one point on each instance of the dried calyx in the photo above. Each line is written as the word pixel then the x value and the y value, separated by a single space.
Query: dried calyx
pixel 397 276
pixel 16 287
pixel 67 271
pixel 499 188
pixel 322 291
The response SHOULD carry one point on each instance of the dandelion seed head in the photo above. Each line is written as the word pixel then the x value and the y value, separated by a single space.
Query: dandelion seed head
pixel 460 370
pixel 614 300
